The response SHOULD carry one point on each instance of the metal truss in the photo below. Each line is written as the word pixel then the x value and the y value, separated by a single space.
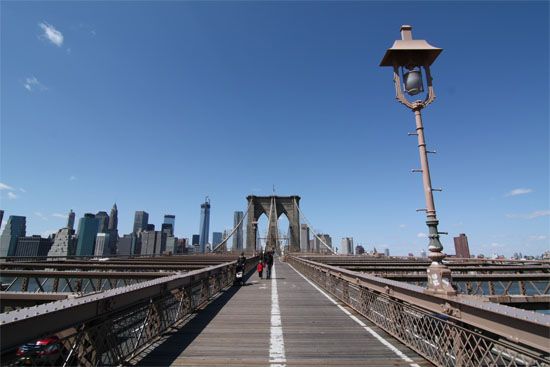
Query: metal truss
pixel 447 330
pixel 113 326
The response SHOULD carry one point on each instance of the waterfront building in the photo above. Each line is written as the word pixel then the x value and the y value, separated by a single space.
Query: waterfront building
pixel 304 238
pixel 141 219
pixel 153 242
pixel 169 223
pixel 113 219
pixel 64 243
pixel 346 246
pixel 171 244
pixel 204 224
pixel 113 230
pixel 238 238
pixel 87 231
pixel 462 250
pixel 319 246
pixel 15 227
pixel 129 244
pixel 216 238
pixel 103 222
pixel 102 245
pixel 33 246
pixel 70 219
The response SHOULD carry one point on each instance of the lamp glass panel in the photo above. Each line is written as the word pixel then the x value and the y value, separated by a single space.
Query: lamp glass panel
pixel 413 82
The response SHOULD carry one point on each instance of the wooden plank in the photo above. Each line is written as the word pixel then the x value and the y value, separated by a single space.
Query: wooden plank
pixel 234 330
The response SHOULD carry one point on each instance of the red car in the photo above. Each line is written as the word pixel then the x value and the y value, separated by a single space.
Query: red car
pixel 46 351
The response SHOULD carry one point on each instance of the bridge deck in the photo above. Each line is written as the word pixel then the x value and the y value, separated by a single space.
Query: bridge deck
pixel 241 327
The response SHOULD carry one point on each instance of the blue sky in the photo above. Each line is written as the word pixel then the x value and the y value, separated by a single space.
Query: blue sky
pixel 155 105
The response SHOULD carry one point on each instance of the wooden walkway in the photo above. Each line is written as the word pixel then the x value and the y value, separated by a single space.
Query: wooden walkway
pixel 294 324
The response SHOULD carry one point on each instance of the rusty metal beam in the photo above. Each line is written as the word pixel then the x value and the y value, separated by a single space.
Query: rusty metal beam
pixel 25 324
pixel 86 274
pixel 514 324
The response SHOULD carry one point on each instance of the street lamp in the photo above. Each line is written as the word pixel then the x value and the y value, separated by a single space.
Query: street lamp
pixel 411 60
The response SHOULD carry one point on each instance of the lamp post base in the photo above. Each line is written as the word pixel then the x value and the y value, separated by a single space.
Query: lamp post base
pixel 439 280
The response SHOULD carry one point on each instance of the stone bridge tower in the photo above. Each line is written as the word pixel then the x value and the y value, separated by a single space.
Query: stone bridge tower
pixel 273 207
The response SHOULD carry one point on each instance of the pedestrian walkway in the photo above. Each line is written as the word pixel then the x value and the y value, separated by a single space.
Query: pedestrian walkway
pixel 283 321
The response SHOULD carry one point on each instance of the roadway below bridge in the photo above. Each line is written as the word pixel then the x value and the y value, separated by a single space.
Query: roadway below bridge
pixel 283 321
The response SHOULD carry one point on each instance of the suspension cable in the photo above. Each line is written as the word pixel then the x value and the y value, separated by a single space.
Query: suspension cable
pixel 234 229
pixel 312 230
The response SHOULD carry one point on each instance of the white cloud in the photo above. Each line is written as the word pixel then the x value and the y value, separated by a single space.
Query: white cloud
pixel 538 238
pixel 12 196
pixel 51 34
pixel 58 215
pixel 72 178
pixel 402 226
pixel 519 191
pixel 40 215
pixel 532 215
pixel 22 189
pixel 31 84
pixel 3 186
pixel 421 235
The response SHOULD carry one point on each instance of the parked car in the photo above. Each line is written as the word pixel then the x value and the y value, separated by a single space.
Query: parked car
pixel 46 351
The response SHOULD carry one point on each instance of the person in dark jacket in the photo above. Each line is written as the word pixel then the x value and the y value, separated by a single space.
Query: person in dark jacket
pixel 269 264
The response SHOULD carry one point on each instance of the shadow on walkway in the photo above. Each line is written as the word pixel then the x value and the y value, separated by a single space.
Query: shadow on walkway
pixel 176 341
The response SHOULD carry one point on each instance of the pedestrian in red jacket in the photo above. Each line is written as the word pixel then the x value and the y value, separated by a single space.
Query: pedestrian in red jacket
pixel 260 269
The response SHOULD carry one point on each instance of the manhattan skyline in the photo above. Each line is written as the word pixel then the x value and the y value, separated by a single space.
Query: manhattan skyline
pixel 228 99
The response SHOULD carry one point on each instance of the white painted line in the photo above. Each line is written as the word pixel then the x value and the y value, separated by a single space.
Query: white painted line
pixel 276 343
pixel 401 355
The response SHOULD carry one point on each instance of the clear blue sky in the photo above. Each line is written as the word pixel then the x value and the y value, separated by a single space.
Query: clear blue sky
pixel 155 105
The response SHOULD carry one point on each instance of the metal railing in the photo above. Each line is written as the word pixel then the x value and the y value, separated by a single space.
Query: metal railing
pixel 111 327
pixel 447 330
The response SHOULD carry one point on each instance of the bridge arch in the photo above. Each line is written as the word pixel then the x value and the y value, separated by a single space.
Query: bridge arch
pixel 273 207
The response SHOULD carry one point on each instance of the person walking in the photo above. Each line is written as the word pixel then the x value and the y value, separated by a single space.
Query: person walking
pixel 269 264
pixel 260 269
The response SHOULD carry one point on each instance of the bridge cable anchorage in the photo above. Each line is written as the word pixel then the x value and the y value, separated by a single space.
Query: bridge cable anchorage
pixel 312 230
pixel 234 229
pixel 438 189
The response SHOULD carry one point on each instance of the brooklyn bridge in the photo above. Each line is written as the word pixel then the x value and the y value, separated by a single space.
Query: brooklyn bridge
pixel 314 310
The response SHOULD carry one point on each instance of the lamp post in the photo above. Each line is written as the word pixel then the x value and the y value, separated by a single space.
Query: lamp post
pixel 411 59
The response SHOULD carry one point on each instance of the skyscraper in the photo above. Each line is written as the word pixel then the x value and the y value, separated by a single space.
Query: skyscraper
pixel 195 242
pixel 153 242
pixel 113 230
pixel 102 242
pixel 238 239
pixel 70 220
pixel 33 246
pixel 103 220
pixel 346 246
pixel 128 245
pixel 169 223
pixel 319 246
pixel 216 239
pixel 15 227
pixel 204 225
pixel 113 220
pixel 141 220
pixel 304 238
pixel 87 230
pixel 1 217
pixel 64 243
pixel 462 249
